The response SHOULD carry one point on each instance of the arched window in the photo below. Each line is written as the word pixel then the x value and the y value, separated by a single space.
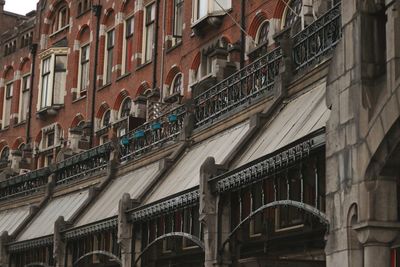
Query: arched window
pixel 125 108
pixel 5 153
pixel 177 84
pixel 61 18
pixel 292 12
pixel 106 118
pixel 262 34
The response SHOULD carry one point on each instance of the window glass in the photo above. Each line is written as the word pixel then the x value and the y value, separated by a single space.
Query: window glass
pixel 149 31
pixel 126 108
pixel 178 18
pixel 110 56
pixel 177 84
pixel 106 118
pixel 263 33
pixel 84 82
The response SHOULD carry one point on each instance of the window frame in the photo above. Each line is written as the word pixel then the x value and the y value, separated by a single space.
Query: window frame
pixel 84 62
pixel 128 38
pixel 109 56
pixel 25 92
pixel 149 32
pixel 178 5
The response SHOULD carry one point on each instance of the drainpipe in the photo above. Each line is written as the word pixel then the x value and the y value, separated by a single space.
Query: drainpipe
pixel 163 51
pixel 96 9
pixel 155 50
pixel 242 33
pixel 33 50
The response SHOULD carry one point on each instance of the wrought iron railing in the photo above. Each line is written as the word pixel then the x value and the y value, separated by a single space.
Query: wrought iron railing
pixel 152 134
pixel 24 184
pixel 87 163
pixel 318 39
pixel 248 84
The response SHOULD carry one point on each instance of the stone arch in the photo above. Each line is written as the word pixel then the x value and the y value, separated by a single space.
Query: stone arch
pixel 383 160
pixel 354 246
pixel 17 143
pixel 127 6
pixel 25 65
pixel 196 62
pixel 77 119
pixel 102 109
pixel 259 19
pixel 52 13
pixel 142 88
pixel 109 18
pixel 120 98
pixel 171 74
pixel 8 73
pixel 83 34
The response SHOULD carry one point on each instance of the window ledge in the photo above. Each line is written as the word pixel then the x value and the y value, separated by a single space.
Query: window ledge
pixel 143 65
pixel 58 31
pixel 79 99
pixel 123 76
pixel 104 86
pixel 175 46
pixel 213 20
pixel 20 124
pixel 48 111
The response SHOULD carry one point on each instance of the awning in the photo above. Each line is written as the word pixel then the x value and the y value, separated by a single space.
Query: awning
pixel 299 117
pixel 134 183
pixel 12 218
pixel 43 223
pixel 186 173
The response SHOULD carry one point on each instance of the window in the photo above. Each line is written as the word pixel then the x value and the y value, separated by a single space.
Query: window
pixel 5 153
pixel 24 97
pixel 257 196
pixel 178 18
pixel 53 80
pixel 262 35
pixel 50 139
pixel 45 82
pixel 83 6
pixel 61 18
pixel 150 16
pixel 177 85
pixel 292 12
pixel 10 47
pixel 109 55
pixel 26 39
pixel 84 69
pixel 106 119
pixel 203 8
pixel 191 225
pixel 129 27
pixel 7 104
pixel 126 108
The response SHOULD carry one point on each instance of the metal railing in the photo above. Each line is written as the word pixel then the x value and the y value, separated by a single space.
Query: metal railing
pixel 152 134
pixel 319 38
pixel 87 163
pixel 246 85
pixel 24 184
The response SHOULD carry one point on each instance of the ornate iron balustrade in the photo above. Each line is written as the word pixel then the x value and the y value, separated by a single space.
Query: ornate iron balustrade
pixel 177 201
pixel 152 134
pixel 318 39
pixel 25 184
pixel 267 165
pixel 248 84
pixel 87 163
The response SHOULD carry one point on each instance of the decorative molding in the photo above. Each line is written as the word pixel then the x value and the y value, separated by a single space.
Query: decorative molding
pixel 29 244
pixel 92 228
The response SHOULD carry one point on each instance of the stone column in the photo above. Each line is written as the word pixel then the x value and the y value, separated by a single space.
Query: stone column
pixel 209 216
pixel 376 238
pixel 125 229
pixel 60 246
pixel 4 256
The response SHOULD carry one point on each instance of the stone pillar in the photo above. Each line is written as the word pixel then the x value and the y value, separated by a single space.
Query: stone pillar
pixel 125 229
pixel 209 216
pixel 376 238
pixel 4 256
pixel 60 246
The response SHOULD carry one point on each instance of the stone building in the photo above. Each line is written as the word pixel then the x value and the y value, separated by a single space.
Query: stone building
pixel 200 133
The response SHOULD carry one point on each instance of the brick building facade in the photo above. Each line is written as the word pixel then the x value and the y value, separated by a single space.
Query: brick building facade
pixel 200 133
